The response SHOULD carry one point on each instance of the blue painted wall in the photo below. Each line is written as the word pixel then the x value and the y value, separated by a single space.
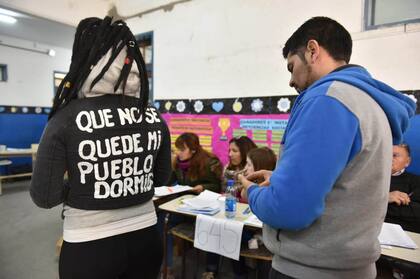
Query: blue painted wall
pixel 20 130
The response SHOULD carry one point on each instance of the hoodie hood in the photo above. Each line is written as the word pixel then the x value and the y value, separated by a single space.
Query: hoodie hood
pixel 397 107
pixel 106 84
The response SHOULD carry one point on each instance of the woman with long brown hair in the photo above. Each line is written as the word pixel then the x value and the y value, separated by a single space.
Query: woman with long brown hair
pixel 238 150
pixel 195 166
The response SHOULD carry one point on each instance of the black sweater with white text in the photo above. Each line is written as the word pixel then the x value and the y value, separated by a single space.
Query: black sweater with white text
pixel 114 155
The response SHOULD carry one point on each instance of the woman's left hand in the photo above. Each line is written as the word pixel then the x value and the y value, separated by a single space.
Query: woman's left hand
pixel 197 189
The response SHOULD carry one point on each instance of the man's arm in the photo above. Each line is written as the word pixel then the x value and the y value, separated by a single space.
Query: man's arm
pixel 323 139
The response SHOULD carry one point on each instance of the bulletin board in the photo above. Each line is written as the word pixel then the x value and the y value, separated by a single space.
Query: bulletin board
pixel 215 130
pixel 217 121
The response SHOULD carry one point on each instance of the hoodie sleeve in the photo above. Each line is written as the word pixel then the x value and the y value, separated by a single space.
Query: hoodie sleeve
pixel 47 184
pixel 323 138
pixel 162 170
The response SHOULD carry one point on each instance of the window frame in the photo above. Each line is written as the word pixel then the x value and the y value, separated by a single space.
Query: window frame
pixel 3 75
pixel 55 88
pixel 369 14
pixel 145 37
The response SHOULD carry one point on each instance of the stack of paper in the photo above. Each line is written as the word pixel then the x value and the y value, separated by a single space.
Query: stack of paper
pixel 206 203
pixel 253 221
pixel 169 190
pixel 394 235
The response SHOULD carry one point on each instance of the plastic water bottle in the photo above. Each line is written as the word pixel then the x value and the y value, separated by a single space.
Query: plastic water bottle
pixel 230 202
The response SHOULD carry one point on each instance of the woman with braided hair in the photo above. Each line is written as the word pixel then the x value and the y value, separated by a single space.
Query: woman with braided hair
pixel 115 149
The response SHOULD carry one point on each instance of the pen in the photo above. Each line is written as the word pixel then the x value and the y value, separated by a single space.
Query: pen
pixel 410 194
pixel 246 211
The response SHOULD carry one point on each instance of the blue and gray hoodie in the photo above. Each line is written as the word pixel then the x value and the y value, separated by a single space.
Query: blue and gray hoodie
pixel 327 198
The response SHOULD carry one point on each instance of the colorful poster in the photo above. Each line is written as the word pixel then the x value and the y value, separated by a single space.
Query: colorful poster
pixel 215 130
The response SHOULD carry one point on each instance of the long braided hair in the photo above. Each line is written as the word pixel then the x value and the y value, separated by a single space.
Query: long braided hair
pixel 93 39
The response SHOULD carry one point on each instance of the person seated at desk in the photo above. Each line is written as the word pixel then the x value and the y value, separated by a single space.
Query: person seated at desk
pixel 262 158
pixel 194 167
pixel 404 195
pixel 238 151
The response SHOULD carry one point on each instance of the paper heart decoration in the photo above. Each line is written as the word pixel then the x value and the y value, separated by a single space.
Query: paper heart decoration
pixel 157 105
pixel 217 106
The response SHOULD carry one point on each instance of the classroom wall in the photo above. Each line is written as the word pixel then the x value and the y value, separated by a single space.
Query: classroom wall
pixel 30 74
pixel 219 49
pixel 224 49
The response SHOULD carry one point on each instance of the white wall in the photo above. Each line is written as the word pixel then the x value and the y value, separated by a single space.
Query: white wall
pixel 30 74
pixel 219 48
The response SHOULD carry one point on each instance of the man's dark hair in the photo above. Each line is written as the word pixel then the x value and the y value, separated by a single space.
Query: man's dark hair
pixel 93 39
pixel 329 34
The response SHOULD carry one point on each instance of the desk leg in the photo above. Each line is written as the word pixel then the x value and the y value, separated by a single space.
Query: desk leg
pixel 165 246
pixel 184 246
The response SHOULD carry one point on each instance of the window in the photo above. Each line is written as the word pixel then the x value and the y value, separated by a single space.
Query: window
pixel 3 72
pixel 145 42
pixel 58 77
pixel 379 13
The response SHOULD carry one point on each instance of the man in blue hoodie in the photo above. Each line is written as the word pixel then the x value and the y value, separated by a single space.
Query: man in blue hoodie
pixel 326 200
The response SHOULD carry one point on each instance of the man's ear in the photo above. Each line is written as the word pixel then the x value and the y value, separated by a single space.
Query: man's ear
pixel 312 47
pixel 408 162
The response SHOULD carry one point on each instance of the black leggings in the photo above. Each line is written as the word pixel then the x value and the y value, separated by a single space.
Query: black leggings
pixel 136 254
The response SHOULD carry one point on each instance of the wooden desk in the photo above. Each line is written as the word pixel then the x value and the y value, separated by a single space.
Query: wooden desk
pixel 411 255
pixel 25 152
pixel 186 231
pixel 172 206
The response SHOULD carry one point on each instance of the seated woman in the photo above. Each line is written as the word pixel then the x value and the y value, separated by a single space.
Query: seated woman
pixel 195 167
pixel 238 150
pixel 262 158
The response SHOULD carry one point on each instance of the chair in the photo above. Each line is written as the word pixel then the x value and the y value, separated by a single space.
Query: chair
pixel 3 163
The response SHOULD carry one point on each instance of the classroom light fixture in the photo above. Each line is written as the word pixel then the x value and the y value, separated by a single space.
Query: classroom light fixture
pixel 51 52
pixel 9 13
pixel 7 19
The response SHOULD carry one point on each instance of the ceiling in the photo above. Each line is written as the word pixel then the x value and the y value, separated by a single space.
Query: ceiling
pixel 50 22
pixel 39 30
pixel 53 21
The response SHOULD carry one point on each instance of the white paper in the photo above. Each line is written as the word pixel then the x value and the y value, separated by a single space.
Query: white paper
pixel 253 220
pixel 220 236
pixel 393 234
pixel 201 204
pixel 169 190
pixel 209 195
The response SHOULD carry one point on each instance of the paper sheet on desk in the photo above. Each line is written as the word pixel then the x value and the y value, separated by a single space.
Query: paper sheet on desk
pixel 393 234
pixel 253 220
pixel 169 190
pixel 221 236
pixel 206 203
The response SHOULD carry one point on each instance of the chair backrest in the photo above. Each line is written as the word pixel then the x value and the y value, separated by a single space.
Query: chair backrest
pixel 34 147
pixel 5 162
